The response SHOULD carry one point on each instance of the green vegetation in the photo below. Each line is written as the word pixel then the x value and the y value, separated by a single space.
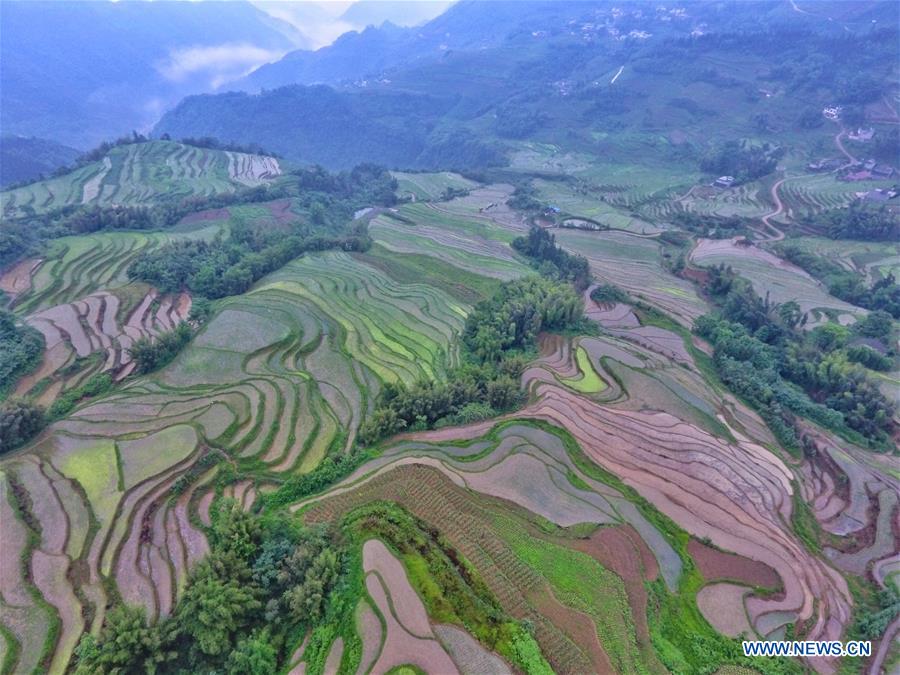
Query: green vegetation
pixel 859 221
pixel 759 350
pixel 229 267
pixel 552 261
pixel 95 386
pixel 449 585
pixel 741 160
pixel 19 422
pixel 262 582
pixel 609 293
pixel 589 382
pixel 21 348
pixel 884 294
pixel 497 334
pixel 152 353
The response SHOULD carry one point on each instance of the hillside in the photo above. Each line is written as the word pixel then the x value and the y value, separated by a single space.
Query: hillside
pixel 143 173
pixel 613 86
pixel 27 159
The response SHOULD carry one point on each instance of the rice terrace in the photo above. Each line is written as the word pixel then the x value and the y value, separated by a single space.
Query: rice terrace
pixel 487 338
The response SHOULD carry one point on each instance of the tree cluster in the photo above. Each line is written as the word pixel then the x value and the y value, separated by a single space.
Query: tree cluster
pixel 21 347
pixel 744 161
pixel 762 354
pixel 258 585
pixel 497 335
pixel 20 421
pixel 858 221
pixel 152 353
pixel 551 260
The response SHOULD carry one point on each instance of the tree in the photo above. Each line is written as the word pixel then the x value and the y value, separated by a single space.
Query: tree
pixel 255 655
pixel 214 608
pixel 126 644
pixel 20 420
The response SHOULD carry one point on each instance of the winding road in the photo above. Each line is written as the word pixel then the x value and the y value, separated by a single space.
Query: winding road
pixel 779 209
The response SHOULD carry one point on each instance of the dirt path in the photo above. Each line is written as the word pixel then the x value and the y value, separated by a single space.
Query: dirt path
pixel 779 209
pixel 839 143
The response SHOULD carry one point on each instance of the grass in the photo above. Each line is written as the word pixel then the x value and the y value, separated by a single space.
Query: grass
pixel 96 468
pixel 580 582
pixel 589 382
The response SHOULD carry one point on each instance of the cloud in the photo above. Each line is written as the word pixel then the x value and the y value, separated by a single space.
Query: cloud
pixel 318 22
pixel 217 63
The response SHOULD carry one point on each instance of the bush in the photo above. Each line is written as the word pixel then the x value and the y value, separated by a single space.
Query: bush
pixel 606 293
pixel 96 385
pixel 153 353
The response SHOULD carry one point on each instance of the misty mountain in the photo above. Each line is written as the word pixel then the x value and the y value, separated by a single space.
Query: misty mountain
pixel 484 77
pixel 80 72
pixel 26 159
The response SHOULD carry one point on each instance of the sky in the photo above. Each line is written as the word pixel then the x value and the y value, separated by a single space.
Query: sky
pixel 315 23
pixel 321 22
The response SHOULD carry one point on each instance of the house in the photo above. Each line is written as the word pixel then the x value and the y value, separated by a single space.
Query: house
pixel 825 165
pixel 869 164
pixel 724 181
pixel 862 134
pixel 882 171
pixel 880 195
pixel 832 113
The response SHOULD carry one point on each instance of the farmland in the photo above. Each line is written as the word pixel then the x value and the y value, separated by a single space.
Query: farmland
pixel 141 173
pixel 613 493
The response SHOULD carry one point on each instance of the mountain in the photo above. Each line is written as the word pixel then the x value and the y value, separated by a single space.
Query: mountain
pixel 26 159
pixel 81 72
pixel 385 46
pixel 473 84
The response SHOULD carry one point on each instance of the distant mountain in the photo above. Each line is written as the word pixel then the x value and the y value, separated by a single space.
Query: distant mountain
pixel 380 48
pixel 473 84
pixel 26 159
pixel 81 72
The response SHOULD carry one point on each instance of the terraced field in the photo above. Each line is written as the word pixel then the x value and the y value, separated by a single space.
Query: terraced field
pixel 771 275
pixel 74 267
pixel 141 173
pixel 634 263
pixel 278 378
pixel 595 205
pixel 634 514
pixel 429 186
pixel 471 233
pixel 873 260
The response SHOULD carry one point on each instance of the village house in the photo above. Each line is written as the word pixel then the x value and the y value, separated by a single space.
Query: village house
pixel 880 195
pixel 882 171
pixel 724 181
pixel 862 135
pixel 825 165
pixel 869 164
pixel 832 113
